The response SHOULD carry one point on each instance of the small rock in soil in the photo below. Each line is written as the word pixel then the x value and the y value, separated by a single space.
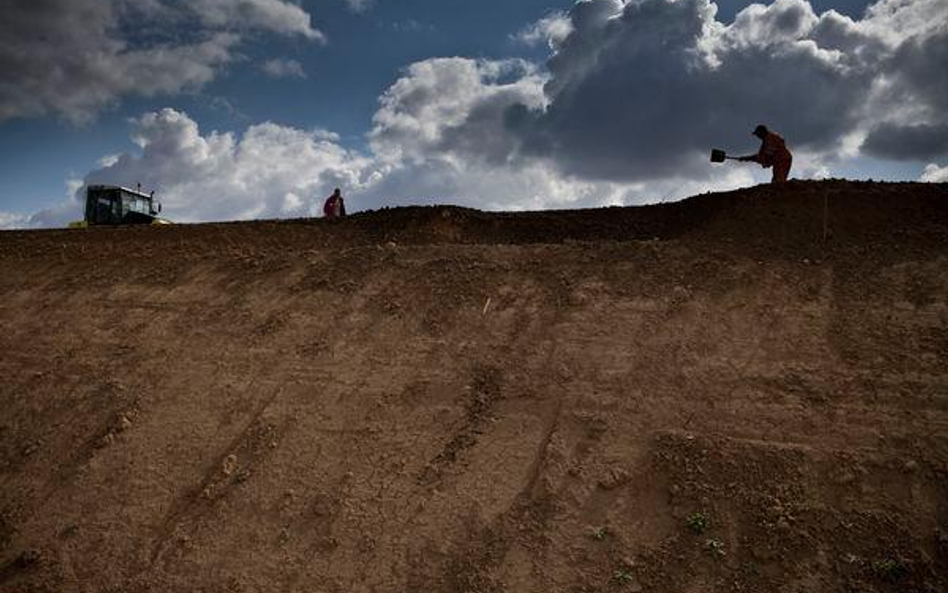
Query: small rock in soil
pixel 124 423
pixel 28 558
pixel 230 464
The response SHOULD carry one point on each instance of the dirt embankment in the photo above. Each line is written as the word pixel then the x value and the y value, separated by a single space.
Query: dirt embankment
pixel 740 392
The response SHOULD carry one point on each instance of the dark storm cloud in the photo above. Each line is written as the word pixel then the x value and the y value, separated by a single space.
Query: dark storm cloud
pixel 72 58
pixel 918 142
pixel 638 94
pixel 642 89
pixel 913 105
pixel 920 67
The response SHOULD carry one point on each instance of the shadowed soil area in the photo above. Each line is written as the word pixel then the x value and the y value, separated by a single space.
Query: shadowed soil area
pixel 745 391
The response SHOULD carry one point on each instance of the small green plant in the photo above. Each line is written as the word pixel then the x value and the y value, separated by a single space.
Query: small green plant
pixel 698 523
pixel 69 531
pixel 600 533
pixel 715 547
pixel 623 577
pixel 889 569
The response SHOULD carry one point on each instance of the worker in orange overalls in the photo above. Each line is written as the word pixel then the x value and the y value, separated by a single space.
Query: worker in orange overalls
pixel 773 153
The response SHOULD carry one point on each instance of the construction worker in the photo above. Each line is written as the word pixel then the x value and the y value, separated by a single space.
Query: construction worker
pixel 773 153
pixel 335 206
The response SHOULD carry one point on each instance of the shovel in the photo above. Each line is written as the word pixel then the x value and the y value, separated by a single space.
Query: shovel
pixel 719 156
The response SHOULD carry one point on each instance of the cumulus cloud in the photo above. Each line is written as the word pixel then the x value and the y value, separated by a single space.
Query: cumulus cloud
pixel 73 58
pixel 279 171
pixel 283 68
pixel 640 90
pixel 551 29
pixel 453 105
pixel 218 176
pixel 273 171
pixel 12 220
pixel 934 174
pixel 278 16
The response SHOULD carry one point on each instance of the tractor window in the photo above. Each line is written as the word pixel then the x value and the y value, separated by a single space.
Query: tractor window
pixel 128 204
pixel 135 204
pixel 103 209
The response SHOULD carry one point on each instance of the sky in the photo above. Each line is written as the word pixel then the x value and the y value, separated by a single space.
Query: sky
pixel 243 109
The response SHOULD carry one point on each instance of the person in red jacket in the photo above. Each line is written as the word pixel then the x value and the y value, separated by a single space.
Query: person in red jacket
pixel 335 206
pixel 773 153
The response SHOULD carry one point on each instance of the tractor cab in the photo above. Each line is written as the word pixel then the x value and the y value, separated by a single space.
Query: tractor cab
pixel 114 205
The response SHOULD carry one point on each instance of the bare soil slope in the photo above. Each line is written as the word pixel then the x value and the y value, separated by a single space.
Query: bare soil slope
pixel 701 396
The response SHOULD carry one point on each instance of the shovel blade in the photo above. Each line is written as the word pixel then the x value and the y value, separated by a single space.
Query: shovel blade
pixel 718 155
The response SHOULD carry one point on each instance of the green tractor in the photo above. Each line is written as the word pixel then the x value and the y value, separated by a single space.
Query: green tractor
pixel 116 205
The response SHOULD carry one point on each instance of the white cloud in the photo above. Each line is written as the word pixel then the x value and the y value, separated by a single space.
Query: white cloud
pixel 411 26
pixel 73 59
pixel 551 29
pixel 108 160
pixel 283 68
pixel 277 16
pixel 12 220
pixel 935 174
pixel 453 105
pixel 360 5
pixel 894 21
pixel 223 176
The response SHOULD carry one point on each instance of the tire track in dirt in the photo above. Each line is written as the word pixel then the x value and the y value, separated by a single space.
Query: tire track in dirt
pixel 94 423
pixel 470 565
pixel 486 391
pixel 253 444
pixel 487 379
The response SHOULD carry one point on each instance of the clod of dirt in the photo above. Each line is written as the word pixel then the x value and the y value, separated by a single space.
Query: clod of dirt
pixel 614 479
pixel 230 465
pixel 846 478
pixel 69 531
pixel 123 424
pixel 942 538
pixel 106 440
pixel 28 558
